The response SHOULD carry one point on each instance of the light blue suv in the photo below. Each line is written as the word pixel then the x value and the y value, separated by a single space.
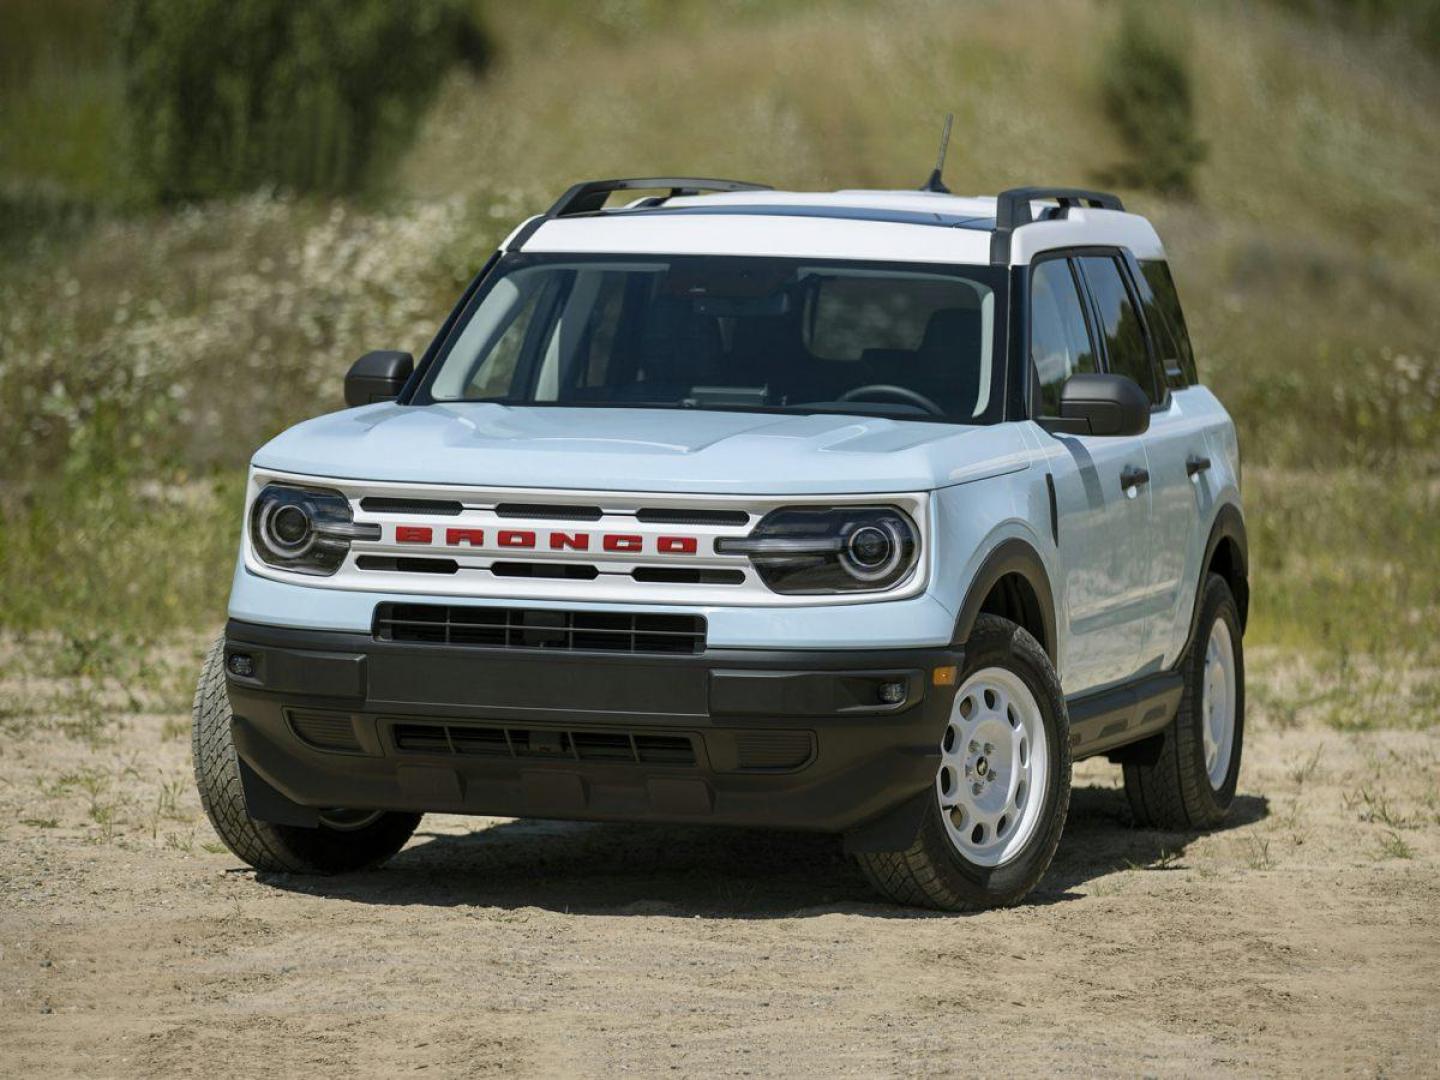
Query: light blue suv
pixel 861 512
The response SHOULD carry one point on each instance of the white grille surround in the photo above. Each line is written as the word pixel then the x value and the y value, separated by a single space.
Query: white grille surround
pixel 535 531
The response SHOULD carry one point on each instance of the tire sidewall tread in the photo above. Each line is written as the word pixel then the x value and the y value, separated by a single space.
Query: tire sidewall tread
pixel 265 846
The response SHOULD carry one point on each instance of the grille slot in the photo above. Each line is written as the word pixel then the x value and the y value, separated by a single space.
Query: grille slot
pixel 684 575
pixel 576 571
pixel 406 565
pixel 324 731
pixel 378 505
pixel 472 740
pixel 545 510
pixel 652 516
pixel 538 628
pixel 774 750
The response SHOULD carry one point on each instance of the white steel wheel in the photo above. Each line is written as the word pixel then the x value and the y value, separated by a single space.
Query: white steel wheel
pixel 994 768
pixel 1217 703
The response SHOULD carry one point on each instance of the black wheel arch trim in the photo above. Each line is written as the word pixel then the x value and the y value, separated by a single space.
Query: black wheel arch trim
pixel 1229 525
pixel 1012 556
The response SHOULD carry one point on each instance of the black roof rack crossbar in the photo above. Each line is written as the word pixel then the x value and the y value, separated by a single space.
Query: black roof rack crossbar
pixel 589 197
pixel 1012 207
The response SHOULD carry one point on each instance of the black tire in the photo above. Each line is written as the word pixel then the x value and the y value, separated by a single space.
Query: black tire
pixel 932 872
pixel 1169 787
pixel 279 848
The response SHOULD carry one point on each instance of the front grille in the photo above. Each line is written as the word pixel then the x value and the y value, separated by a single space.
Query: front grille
pixel 625 747
pixel 537 628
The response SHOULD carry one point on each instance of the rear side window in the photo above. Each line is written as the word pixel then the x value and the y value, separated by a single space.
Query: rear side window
pixel 1162 312
pixel 1059 339
pixel 1119 322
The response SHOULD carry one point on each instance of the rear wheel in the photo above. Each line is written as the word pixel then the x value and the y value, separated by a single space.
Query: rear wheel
pixel 1188 780
pixel 345 840
pixel 1003 787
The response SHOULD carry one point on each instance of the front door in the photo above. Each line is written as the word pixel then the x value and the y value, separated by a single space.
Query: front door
pixel 1103 511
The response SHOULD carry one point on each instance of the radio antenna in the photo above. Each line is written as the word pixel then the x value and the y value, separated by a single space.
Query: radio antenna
pixel 935 183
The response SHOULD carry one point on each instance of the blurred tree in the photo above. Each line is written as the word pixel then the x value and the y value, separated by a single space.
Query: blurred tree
pixel 309 95
pixel 1418 20
pixel 1145 87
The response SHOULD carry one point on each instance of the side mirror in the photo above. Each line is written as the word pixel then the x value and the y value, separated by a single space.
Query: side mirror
pixel 377 376
pixel 1095 404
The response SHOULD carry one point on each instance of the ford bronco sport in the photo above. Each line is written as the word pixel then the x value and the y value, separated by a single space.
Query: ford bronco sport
pixel 864 512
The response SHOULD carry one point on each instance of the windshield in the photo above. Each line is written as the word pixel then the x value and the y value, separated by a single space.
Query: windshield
pixel 711 332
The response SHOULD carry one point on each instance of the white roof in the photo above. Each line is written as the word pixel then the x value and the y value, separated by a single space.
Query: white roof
pixel 890 226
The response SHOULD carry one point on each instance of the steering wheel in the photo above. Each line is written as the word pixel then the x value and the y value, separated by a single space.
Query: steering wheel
pixel 889 390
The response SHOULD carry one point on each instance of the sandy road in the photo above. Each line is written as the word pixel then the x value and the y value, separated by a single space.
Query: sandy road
pixel 1302 939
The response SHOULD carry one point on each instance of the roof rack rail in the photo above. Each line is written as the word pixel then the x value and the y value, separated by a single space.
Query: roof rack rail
pixel 1012 209
pixel 589 197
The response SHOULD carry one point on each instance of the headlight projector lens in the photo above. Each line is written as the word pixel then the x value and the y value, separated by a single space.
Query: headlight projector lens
pixel 290 526
pixel 872 552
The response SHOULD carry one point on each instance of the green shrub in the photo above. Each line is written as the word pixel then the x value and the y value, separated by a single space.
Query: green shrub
pixel 309 95
pixel 1145 86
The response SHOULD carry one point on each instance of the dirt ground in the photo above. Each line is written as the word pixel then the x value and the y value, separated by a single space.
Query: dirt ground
pixel 1304 938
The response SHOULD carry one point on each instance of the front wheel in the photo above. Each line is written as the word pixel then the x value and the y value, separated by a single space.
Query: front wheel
pixel 1002 790
pixel 1189 780
pixel 345 840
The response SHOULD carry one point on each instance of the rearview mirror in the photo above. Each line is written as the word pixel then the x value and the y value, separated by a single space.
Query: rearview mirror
pixel 1095 404
pixel 377 376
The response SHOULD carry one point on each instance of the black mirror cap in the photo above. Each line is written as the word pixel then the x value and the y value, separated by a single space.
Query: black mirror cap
pixel 377 376
pixel 1096 404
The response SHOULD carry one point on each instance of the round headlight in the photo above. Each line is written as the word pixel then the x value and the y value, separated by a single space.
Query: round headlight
pixel 800 550
pixel 287 529
pixel 872 551
pixel 290 525
pixel 870 546
pixel 307 530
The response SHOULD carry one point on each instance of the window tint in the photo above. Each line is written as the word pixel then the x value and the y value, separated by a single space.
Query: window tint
pixel 1124 337
pixel 853 314
pixel 1162 312
pixel 1059 341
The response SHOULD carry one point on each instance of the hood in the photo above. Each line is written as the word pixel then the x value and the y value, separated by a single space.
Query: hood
pixel 642 449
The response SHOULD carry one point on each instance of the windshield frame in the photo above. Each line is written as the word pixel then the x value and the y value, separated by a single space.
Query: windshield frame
pixel 996 278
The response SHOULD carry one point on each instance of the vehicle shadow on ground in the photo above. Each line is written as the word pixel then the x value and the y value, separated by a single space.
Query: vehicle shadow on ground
pixel 681 870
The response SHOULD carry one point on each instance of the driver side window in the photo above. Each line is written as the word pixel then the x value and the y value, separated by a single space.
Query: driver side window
pixel 1059 339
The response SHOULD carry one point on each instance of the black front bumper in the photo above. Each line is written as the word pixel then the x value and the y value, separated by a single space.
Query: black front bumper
pixel 784 739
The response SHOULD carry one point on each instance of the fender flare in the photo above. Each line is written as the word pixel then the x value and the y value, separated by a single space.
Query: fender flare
pixel 1013 556
pixel 1229 525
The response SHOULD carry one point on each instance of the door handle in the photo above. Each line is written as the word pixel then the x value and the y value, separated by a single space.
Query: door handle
pixel 1133 476
pixel 1196 464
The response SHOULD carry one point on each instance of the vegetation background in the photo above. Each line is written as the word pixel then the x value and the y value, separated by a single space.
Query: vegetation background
pixel 209 208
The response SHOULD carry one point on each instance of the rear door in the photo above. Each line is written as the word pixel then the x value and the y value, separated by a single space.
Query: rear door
pixel 1103 530
pixel 1179 458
